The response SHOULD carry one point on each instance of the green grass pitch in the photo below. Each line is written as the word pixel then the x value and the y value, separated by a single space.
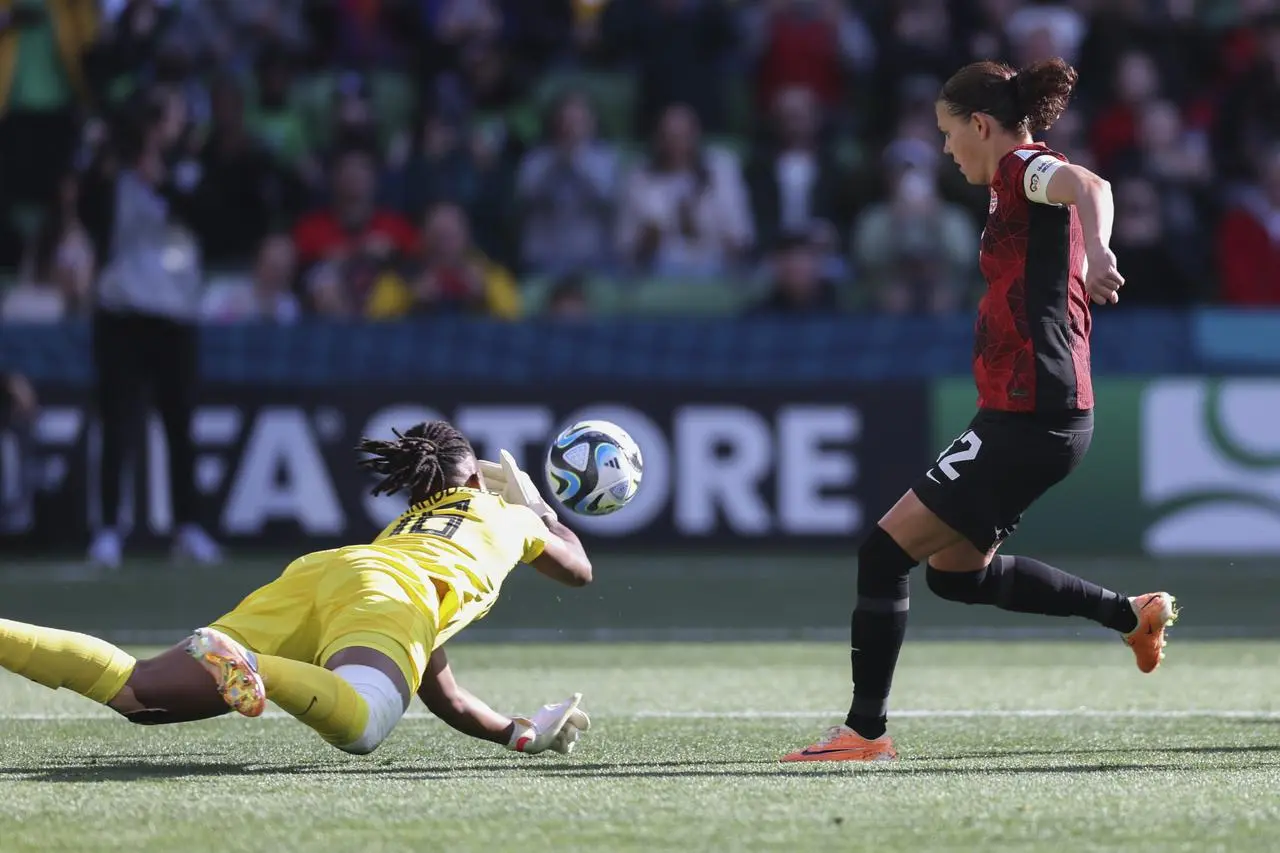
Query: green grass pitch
pixel 1006 746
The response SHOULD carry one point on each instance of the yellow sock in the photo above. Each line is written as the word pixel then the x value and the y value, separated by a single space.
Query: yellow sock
pixel 87 665
pixel 317 697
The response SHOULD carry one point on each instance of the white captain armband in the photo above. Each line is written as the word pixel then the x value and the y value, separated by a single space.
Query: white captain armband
pixel 1035 180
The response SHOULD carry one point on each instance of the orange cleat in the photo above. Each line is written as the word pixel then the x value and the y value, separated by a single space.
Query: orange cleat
pixel 842 743
pixel 228 662
pixel 1156 612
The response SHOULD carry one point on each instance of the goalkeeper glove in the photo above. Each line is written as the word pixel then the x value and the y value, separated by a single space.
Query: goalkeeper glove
pixel 522 485
pixel 554 727
pixel 492 476
pixel 514 485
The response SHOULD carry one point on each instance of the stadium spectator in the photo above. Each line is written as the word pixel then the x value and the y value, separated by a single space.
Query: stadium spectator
pixel 1115 130
pixel 18 400
pixel 265 295
pixel 1248 121
pixel 684 211
pixel 363 33
pixel 794 179
pixel 1150 257
pixel 18 408
pixel 446 276
pixel 1249 242
pixel 568 299
pixel 915 251
pixel 535 31
pixel 431 165
pixel 1069 136
pixel 244 192
pixel 230 35
pixel 679 48
pixel 145 341
pixel 353 237
pixel 1176 159
pixel 796 285
pixel 918 44
pixel 1182 48
pixel 810 44
pixel 567 190
pixel 914 144
pixel 42 88
pixel 1039 30
pixel 354 124
pixel 493 77
pixel 539 31
pixel 133 50
pixel 274 119
pixel 61 257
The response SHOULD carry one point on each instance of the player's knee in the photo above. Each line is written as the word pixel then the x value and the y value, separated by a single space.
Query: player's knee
pixel 383 701
pixel 880 550
pixel 964 587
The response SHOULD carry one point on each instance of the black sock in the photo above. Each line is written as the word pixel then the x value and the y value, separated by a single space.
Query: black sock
pixel 1024 585
pixel 876 630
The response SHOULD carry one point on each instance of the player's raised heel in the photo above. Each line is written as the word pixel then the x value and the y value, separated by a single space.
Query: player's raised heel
pixel 1156 611
pixel 226 660
pixel 842 743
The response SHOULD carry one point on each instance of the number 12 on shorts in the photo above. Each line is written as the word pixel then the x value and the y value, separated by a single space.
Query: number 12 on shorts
pixel 963 449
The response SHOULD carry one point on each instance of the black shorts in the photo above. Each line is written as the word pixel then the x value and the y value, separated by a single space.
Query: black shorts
pixel 999 466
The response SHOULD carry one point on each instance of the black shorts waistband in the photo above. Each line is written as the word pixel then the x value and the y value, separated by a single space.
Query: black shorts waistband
pixel 1068 420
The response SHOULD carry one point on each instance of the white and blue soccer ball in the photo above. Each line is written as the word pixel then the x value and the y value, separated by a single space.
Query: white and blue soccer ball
pixel 594 468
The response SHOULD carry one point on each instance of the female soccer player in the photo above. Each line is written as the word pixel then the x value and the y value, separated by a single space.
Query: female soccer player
pixel 1044 255
pixel 344 638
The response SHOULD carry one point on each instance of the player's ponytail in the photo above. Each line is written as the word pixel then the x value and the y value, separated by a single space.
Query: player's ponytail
pixel 423 460
pixel 1023 101
pixel 1043 90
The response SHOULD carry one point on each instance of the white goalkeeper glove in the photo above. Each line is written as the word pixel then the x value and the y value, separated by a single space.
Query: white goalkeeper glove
pixel 515 486
pixel 493 477
pixel 554 727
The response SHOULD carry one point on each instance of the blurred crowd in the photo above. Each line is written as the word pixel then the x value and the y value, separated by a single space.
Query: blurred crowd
pixel 386 158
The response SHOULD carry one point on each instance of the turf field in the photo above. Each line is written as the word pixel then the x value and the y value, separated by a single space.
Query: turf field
pixel 1007 746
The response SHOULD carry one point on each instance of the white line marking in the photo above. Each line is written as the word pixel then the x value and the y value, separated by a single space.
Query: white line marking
pixel 916 713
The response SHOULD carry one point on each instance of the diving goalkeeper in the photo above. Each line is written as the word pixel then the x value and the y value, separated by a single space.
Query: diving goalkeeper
pixel 344 638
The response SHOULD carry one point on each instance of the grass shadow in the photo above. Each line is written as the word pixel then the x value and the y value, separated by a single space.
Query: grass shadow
pixel 128 768
pixel 135 771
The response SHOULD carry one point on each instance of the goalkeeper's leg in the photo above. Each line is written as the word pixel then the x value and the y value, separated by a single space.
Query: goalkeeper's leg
pixel 353 702
pixel 168 688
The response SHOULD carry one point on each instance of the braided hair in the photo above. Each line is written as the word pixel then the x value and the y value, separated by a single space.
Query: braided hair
pixel 423 460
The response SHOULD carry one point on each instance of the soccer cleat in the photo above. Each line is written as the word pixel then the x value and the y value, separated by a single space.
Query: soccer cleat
pixel 1156 612
pixel 842 743
pixel 227 661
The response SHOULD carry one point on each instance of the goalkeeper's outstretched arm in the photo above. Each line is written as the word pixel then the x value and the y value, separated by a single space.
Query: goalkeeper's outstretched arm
pixel 564 559
pixel 553 727
pixel 458 707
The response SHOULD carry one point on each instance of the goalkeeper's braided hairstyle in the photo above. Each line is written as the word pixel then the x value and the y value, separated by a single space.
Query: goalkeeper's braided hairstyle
pixel 423 461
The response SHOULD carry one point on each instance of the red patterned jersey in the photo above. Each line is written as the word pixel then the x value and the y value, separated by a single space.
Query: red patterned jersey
pixel 1031 352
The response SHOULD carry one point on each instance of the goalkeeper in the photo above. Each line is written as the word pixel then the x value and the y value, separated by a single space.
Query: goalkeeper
pixel 343 639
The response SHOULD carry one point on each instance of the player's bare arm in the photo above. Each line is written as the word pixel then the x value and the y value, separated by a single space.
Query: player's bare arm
pixel 457 707
pixel 553 727
pixel 564 559
pixel 1091 196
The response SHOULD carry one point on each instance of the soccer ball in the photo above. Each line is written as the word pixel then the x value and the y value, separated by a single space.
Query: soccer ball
pixel 594 468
